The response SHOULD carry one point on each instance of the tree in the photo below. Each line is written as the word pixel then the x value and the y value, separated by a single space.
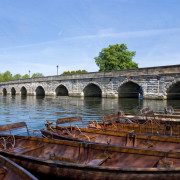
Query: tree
pixel 74 72
pixel 7 76
pixel 16 77
pixel 1 77
pixel 37 75
pixel 115 57
pixel 25 76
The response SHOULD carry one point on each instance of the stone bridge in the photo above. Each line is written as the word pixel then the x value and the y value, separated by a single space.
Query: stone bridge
pixel 157 83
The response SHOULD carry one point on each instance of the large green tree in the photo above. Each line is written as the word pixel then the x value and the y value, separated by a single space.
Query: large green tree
pixel 115 57
pixel 7 76
pixel 16 77
pixel 74 72
pixel 25 76
pixel 37 75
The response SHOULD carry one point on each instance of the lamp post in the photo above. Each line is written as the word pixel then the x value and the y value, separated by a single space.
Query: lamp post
pixel 29 73
pixel 57 69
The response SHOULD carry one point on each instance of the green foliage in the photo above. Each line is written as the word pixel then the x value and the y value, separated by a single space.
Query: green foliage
pixel 115 57
pixel 37 75
pixel 7 76
pixel 16 77
pixel 25 76
pixel 1 77
pixel 74 72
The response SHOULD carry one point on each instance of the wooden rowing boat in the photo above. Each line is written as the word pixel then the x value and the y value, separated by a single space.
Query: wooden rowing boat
pixel 87 161
pixel 119 138
pixel 169 114
pixel 148 124
pixel 11 171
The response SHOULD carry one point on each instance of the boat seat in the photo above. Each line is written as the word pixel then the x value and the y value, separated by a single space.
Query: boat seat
pixel 163 163
pixel 99 160
pixel 146 145
pixel 61 159
pixel 25 149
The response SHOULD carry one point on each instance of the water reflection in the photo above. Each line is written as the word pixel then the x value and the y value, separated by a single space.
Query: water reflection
pixel 36 110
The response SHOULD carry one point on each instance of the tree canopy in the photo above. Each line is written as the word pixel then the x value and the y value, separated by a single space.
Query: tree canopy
pixel 7 76
pixel 37 75
pixel 16 77
pixel 115 57
pixel 74 72
pixel 25 76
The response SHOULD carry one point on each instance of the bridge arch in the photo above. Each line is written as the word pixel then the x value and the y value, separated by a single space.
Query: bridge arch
pixel 173 92
pixel 4 91
pixel 40 91
pixel 13 91
pixel 23 91
pixel 61 90
pixel 129 89
pixel 92 90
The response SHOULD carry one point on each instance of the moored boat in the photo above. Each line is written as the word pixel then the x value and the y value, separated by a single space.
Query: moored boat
pixel 11 171
pixel 119 138
pixel 78 160
pixel 169 114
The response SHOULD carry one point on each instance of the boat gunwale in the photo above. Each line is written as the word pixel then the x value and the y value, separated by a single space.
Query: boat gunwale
pixel 162 138
pixel 107 147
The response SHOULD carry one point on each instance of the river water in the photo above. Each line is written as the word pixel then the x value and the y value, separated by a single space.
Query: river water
pixel 35 110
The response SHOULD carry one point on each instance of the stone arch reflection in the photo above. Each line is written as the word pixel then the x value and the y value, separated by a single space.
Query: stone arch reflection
pixel 129 90
pixel 92 90
pixel 61 91
pixel 13 91
pixel 40 91
pixel 173 91
pixel 23 91
pixel 4 92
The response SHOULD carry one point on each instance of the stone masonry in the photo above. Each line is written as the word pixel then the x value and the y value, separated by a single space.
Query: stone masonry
pixel 157 83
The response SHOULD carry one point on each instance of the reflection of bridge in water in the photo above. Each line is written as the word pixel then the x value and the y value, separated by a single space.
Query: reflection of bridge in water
pixel 156 83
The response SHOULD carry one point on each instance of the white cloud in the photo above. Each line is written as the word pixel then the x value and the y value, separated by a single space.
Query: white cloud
pixel 131 34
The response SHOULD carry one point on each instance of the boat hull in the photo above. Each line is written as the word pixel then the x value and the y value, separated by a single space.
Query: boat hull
pixel 124 163
pixel 62 170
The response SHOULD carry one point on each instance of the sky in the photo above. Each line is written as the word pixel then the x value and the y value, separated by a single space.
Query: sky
pixel 38 35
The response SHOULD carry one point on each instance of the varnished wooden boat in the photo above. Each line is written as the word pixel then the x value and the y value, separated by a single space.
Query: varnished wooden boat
pixel 11 171
pixel 75 160
pixel 148 118
pixel 119 138
pixel 149 126
pixel 169 114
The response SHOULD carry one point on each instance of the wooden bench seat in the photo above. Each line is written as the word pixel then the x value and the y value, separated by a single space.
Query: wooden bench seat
pixel 146 145
pixel 163 163
pixel 25 149
pixel 61 159
pixel 99 160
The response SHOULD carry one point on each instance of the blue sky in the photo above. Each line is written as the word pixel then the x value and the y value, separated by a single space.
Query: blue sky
pixel 38 35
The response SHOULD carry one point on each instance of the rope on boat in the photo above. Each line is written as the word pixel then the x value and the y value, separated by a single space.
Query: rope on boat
pixel 14 141
pixel 68 131
pixel 4 145
pixel 81 132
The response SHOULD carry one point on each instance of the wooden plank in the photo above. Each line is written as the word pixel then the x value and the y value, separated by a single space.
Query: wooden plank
pixel 22 150
pixel 12 126
pixel 99 160
pixel 67 120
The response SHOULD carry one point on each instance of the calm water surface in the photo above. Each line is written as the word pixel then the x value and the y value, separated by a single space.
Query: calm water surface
pixel 35 111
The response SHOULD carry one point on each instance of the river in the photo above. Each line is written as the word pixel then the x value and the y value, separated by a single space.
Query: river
pixel 35 110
